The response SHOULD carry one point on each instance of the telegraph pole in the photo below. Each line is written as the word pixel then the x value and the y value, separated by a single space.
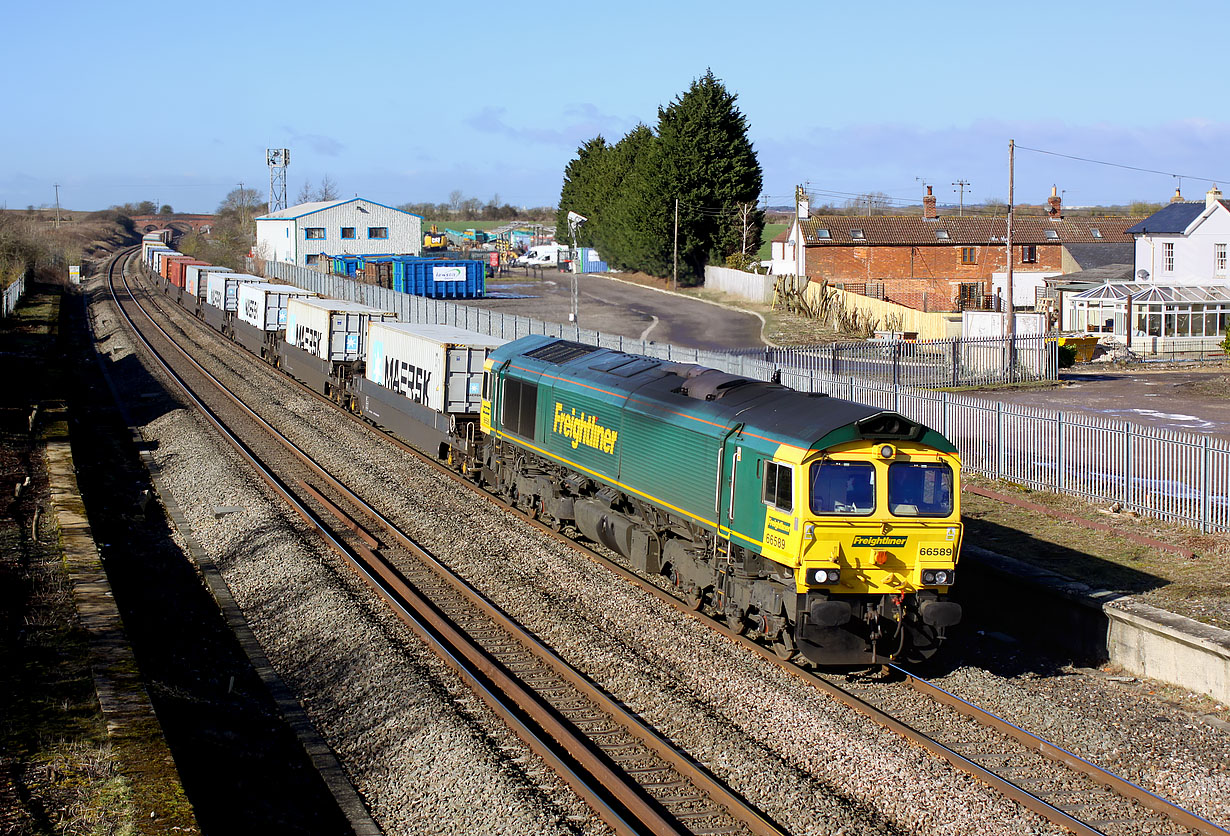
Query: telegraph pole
pixel 1010 323
pixel 962 184
pixel 675 280
pixel 57 185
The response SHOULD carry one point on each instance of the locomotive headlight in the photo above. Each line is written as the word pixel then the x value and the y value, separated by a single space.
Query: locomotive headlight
pixel 928 577
pixel 825 576
pixel 936 577
pixel 887 451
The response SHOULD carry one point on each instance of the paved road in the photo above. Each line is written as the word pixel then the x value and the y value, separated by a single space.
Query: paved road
pixel 615 307
pixel 1192 399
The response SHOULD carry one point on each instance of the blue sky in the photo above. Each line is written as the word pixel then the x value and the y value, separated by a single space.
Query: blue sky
pixel 406 101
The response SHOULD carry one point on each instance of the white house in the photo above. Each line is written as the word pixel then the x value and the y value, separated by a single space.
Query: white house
pixel 1185 243
pixel 302 234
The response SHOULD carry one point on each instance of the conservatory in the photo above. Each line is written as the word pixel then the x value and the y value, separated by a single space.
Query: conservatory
pixel 1161 311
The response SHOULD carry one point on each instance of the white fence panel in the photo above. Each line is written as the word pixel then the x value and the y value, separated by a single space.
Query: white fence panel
pixel 1175 476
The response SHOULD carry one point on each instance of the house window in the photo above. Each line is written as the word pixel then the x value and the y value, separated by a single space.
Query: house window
pixel 969 255
pixel 313 233
pixel 1095 232
pixel 1219 259
pixel 311 259
pixel 1052 235
pixel 348 232
pixel 823 235
pixel 1168 257
pixel 857 234
pixel 779 486
pixel 1029 253
pixel 377 232
pixel 941 235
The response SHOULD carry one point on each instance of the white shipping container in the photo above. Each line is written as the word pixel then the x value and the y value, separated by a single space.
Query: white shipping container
pixel 330 328
pixel 438 366
pixel 222 289
pixel 162 255
pixel 152 253
pixel 194 277
pixel 263 304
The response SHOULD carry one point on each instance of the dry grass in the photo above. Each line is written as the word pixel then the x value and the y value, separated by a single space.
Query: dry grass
pixel 1197 587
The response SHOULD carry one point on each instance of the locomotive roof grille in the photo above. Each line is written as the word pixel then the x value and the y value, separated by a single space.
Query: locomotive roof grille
pixel 561 351
pixel 890 425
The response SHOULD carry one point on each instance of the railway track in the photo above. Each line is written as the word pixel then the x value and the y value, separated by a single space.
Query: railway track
pixel 631 777
pixel 1036 773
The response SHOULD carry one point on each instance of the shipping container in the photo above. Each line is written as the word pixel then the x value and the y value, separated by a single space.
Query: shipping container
pixel 438 366
pixel 263 304
pixel 151 257
pixel 194 278
pixel 160 260
pixel 439 278
pixel 222 289
pixel 591 262
pixel 330 329
pixel 176 266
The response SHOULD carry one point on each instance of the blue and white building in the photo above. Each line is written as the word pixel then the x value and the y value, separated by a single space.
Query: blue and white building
pixel 303 234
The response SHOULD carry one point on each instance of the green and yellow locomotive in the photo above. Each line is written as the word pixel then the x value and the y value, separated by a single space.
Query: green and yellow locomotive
pixel 826 527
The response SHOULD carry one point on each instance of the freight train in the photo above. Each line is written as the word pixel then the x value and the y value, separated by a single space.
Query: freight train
pixel 827 529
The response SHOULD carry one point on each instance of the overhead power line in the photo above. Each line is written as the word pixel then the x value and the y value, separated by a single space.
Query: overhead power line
pixel 1121 165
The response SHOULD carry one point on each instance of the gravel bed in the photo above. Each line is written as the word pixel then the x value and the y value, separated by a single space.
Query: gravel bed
pixel 1121 723
pixel 812 765
pixel 808 763
pixel 425 753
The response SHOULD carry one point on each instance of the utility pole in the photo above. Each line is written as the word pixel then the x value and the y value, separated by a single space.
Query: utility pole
pixel 57 205
pixel 675 279
pixel 1010 323
pixel 243 207
pixel 962 184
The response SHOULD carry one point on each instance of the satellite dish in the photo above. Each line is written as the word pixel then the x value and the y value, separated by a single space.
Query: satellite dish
pixel 1142 274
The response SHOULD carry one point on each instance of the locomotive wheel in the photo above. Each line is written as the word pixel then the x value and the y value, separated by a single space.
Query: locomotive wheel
pixel 696 600
pixel 737 624
pixel 784 647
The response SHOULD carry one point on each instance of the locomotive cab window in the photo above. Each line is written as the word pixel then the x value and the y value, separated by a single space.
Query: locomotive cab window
pixel 519 407
pixel 920 490
pixel 779 486
pixel 843 488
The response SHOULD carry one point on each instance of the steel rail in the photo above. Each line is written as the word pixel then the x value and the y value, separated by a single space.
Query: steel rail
pixel 591 788
pixel 395 588
pixel 1011 790
pixel 1127 789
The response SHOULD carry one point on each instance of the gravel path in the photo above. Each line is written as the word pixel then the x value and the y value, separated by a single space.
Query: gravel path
pixel 424 753
pixel 810 764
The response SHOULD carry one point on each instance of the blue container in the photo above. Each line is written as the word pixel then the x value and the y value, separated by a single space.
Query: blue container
pixel 590 262
pixel 439 278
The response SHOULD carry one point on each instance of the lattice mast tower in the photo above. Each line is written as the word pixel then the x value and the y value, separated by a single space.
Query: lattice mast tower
pixel 278 159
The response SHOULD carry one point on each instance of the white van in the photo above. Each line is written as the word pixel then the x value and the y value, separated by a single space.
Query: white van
pixel 543 255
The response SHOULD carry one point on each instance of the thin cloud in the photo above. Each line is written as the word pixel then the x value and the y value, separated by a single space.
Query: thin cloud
pixel 321 144
pixel 576 123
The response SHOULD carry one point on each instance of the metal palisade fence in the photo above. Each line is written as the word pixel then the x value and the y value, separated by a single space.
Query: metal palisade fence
pixel 12 295
pixel 1176 476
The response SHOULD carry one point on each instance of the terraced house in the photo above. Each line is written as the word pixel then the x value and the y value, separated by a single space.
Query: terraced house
pixel 939 262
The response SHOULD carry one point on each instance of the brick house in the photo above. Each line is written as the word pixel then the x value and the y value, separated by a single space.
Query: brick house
pixel 942 263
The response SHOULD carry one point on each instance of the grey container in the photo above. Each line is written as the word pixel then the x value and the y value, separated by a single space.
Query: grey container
pixel 331 329
pixel 438 366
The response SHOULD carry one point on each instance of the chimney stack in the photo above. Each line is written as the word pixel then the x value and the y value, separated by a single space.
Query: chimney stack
pixel 929 211
pixel 1054 203
pixel 802 205
pixel 1212 196
pixel 1178 198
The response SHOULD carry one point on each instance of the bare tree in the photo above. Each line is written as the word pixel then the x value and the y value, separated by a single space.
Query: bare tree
pixel 328 189
pixel 455 199
pixel 306 195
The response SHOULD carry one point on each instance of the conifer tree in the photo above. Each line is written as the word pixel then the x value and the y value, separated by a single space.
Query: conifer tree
pixel 634 234
pixel 708 162
pixel 583 192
